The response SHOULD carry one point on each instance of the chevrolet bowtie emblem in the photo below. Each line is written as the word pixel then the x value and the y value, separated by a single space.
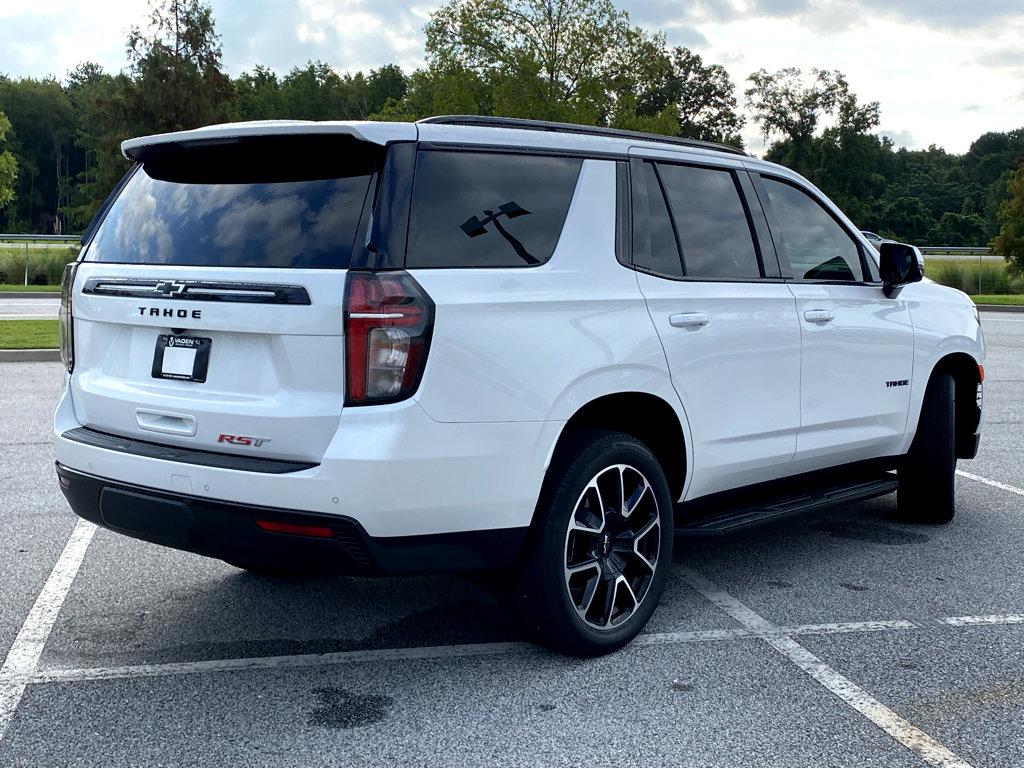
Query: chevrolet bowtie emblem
pixel 169 287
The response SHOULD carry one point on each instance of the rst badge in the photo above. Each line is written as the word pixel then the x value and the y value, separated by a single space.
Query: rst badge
pixel 242 440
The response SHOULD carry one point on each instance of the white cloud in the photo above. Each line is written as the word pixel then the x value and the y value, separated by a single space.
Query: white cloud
pixel 945 71
pixel 920 75
pixel 364 29
pixel 52 37
pixel 900 138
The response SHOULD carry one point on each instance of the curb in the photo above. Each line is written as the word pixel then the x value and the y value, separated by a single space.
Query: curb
pixel 29 356
pixel 1001 307
pixel 29 294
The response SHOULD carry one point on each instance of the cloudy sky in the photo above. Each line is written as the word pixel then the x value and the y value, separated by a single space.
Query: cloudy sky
pixel 945 71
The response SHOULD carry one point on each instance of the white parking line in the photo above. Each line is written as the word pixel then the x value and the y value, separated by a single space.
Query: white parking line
pixel 832 628
pixel 991 619
pixel 990 482
pixel 343 658
pixel 23 658
pixel 924 745
pixel 285 661
pixel 21 667
pixel 484 649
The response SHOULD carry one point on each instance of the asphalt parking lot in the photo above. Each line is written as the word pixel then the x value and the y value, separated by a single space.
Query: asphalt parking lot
pixel 842 638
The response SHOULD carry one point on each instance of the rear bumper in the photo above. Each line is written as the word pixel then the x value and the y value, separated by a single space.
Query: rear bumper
pixel 392 469
pixel 228 531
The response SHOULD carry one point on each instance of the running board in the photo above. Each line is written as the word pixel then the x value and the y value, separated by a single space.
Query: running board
pixel 727 519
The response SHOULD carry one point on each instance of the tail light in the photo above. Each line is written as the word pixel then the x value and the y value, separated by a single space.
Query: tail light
pixel 388 320
pixel 65 322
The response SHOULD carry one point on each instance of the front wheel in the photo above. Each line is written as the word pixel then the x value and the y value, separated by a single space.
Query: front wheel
pixel 925 493
pixel 598 558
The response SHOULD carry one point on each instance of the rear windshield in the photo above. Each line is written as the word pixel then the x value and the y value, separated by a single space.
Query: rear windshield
pixel 266 202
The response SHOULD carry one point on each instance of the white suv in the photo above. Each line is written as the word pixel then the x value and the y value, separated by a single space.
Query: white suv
pixel 487 344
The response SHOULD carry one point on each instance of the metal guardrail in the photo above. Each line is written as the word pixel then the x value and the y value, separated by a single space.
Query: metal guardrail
pixel 40 238
pixel 956 250
pixel 29 240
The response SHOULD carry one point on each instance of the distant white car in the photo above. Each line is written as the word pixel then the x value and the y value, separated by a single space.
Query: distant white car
pixel 873 239
pixel 877 240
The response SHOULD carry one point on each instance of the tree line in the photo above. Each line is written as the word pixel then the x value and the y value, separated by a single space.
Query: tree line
pixel 577 61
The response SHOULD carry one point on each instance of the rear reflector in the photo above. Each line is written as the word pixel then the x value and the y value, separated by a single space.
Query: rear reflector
pixel 304 529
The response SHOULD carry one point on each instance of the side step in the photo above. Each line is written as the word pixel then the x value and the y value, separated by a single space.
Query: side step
pixel 739 513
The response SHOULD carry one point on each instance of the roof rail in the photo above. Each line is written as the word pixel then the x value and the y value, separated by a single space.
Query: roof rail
pixel 489 121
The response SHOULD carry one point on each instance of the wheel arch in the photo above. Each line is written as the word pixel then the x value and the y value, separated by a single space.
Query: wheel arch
pixel 966 373
pixel 646 416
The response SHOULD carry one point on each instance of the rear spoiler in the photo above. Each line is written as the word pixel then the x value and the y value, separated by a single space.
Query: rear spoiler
pixel 369 131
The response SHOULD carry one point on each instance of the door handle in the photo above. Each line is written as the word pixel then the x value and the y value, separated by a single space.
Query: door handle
pixel 689 320
pixel 818 316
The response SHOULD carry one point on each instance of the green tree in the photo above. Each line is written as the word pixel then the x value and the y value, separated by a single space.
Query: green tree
pixel 383 84
pixel 315 92
pixel 174 81
pixel 702 97
pixel 957 229
pixel 908 218
pixel 437 90
pixel 630 116
pixel 789 104
pixel 95 98
pixel 312 92
pixel 257 95
pixel 548 59
pixel 41 141
pixel 8 166
pixel 1010 241
pixel 177 81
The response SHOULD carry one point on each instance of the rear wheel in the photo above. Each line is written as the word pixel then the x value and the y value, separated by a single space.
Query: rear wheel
pixel 926 492
pixel 601 549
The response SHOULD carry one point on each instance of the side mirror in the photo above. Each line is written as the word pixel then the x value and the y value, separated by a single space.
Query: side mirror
pixel 898 266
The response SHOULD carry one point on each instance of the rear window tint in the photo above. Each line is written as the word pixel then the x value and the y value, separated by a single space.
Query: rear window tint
pixel 271 202
pixel 480 209
pixel 712 224
pixel 654 240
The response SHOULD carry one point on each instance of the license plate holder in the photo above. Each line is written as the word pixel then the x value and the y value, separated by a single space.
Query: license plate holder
pixel 185 358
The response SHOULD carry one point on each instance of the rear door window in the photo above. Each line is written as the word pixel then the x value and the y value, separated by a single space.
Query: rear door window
pixel 817 246
pixel 711 222
pixel 654 240
pixel 291 201
pixel 488 209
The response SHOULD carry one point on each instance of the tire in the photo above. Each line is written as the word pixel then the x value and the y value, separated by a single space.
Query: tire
pixel 925 493
pixel 589 584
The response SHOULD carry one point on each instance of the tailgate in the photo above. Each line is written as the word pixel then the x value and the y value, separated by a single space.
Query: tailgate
pixel 274 375
pixel 208 305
